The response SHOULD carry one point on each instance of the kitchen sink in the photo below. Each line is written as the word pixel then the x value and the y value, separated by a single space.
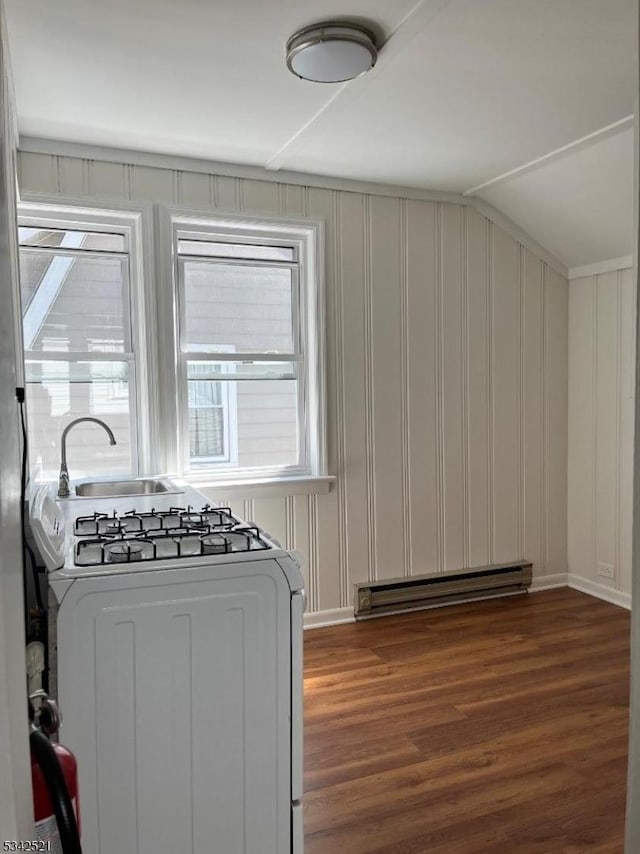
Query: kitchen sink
pixel 117 488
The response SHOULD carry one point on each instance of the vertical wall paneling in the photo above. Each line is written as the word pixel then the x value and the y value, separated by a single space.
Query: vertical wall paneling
pixel 451 344
pixel 606 411
pixel 340 451
pixel 260 196
pixel 505 400
pixel 293 200
pixel 532 426
pixel 521 403
pixel 478 402
pixel 38 171
pixel 594 427
pixel 582 471
pixel 386 380
pixel 422 386
pixel 272 515
pixel 600 453
pixel 372 563
pixel 626 426
pixel 446 391
pixel 464 361
pixel 581 456
pixel 248 509
pixel 438 336
pixel 301 540
pixel 322 205
pixel 177 194
pixel 355 369
pixel 618 413
pixel 226 196
pixel 239 189
pixel 490 387
pixel 73 176
pixel 404 390
pixel 194 191
pixel 555 452
pixel 289 523
pixel 314 560
pixel 108 180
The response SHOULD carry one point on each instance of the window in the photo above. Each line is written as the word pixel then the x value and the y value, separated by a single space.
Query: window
pixel 248 353
pixel 211 370
pixel 75 271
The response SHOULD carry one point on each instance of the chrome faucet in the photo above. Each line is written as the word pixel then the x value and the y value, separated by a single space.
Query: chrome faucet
pixel 63 480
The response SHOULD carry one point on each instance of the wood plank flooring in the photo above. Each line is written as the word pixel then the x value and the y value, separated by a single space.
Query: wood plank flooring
pixel 489 728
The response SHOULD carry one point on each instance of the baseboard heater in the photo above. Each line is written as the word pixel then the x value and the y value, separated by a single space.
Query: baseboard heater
pixel 443 588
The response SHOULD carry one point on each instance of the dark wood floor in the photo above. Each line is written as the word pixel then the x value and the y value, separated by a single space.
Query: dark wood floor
pixel 489 728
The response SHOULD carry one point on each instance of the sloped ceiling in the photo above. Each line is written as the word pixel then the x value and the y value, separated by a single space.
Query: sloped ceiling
pixel 463 92
pixel 577 204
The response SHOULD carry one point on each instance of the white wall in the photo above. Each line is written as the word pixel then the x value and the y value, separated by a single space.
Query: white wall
pixel 447 378
pixel 601 413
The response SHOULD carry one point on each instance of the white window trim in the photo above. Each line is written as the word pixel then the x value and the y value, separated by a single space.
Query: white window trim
pixel 309 234
pixel 154 318
pixel 136 222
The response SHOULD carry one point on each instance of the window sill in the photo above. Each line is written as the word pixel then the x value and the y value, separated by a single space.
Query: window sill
pixel 265 487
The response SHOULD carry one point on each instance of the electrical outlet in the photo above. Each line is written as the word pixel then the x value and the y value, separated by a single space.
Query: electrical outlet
pixel 606 570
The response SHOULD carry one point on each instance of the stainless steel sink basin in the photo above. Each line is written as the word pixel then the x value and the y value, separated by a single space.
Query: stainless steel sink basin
pixel 116 488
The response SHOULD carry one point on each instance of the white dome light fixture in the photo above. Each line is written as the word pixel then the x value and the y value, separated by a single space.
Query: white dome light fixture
pixel 332 52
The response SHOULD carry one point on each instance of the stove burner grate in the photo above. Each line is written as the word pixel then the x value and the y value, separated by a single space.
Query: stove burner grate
pixel 97 524
pixel 176 533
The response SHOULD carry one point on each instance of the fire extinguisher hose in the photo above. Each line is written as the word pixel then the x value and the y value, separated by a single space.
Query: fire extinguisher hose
pixel 58 793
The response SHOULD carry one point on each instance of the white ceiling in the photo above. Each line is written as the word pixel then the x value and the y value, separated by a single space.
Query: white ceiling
pixel 578 205
pixel 463 92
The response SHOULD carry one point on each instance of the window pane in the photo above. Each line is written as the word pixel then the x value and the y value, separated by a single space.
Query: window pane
pixel 59 392
pixel 261 417
pixel 73 304
pixel 208 416
pixel 71 239
pixel 232 308
pixel 236 250
pixel 247 370
pixel 267 423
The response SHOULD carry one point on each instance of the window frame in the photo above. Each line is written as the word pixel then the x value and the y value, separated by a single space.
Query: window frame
pixel 35 210
pixel 307 235
pixel 154 329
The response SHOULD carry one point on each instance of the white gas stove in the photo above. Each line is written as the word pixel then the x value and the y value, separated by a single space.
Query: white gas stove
pixel 80 537
pixel 179 671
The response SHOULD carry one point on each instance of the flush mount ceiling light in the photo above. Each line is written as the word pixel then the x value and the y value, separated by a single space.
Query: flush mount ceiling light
pixel 331 52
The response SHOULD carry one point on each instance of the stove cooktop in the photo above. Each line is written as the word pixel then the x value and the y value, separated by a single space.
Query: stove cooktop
pixel 177 532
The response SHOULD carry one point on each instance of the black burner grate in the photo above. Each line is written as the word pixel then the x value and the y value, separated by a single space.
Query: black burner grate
pixel 175 517
pixel 179 532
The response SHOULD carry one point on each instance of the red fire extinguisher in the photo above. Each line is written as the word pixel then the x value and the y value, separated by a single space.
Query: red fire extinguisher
pixel 54 775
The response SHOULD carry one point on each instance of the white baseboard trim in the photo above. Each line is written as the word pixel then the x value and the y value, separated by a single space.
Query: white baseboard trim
pixel 600 591
pixel 548 582
pixel 333 617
